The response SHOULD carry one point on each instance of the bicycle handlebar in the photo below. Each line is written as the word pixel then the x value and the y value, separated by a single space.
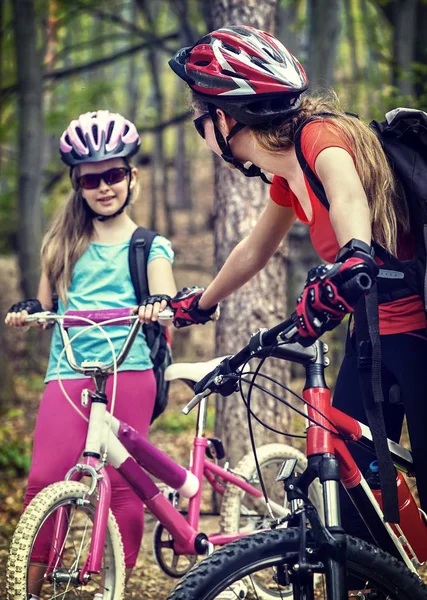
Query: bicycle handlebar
pixel 100 317
pixel 223 378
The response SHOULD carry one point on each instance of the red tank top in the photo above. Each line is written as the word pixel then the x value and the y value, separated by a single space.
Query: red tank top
pixel 399 316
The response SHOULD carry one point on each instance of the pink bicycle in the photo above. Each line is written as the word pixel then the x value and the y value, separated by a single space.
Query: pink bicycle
pixel 86 553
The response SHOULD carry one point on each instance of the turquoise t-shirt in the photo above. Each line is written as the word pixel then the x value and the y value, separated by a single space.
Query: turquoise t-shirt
pixel 101 280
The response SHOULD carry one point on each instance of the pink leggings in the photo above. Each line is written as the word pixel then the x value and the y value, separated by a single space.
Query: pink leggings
pixel 59 440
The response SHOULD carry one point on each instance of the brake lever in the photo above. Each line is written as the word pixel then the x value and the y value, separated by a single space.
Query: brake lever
pixel 40 317
pixel 195 401
pixel 166 314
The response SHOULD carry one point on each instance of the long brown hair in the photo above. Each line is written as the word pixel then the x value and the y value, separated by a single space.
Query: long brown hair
pixel 68 237
pixel 389 215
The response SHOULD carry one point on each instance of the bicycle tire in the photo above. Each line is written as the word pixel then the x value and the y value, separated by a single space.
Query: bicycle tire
pixel 271 549
pixel 274 454
pixel 64 493
pixel 236 504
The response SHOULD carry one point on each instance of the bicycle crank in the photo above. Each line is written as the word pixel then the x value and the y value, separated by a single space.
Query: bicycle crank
pixel 174 565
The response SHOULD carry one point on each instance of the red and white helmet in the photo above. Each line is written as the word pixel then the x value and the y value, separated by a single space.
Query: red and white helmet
pixel 96 136
pixel 245 71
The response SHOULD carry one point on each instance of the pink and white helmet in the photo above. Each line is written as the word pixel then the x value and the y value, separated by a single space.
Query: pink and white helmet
pixel 96 136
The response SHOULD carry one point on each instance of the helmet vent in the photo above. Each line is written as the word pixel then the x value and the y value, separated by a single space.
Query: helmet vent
pixel 233 74
pixel 81 136
pixel 109 132
pixel 202 63
pixel 126 129
pixel 230 48
pixel 273 56
pixel 95 133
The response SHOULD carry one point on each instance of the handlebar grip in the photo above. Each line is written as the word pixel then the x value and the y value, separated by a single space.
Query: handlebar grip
pixel 97 316
pixel 356 287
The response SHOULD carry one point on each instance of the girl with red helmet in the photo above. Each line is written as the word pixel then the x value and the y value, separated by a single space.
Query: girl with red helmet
pixel 250 102
pixel 85 259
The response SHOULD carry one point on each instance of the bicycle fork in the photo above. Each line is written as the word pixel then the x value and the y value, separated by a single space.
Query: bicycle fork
pixel 330 538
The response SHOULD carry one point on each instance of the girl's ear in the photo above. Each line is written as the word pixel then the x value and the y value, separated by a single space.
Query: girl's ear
pixel 133 175
pixel 224 122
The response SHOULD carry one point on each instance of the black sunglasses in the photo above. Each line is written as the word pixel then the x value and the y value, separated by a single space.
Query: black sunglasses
pixel 198 124
pixel 91 181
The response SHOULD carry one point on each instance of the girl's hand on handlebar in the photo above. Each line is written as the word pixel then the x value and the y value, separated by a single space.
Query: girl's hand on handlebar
pixel 150 307
pixel 331 292
pixel 186 308
pixel 18 312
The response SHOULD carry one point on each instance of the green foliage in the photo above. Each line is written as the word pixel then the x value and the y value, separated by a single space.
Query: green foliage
pixel 172 421
pixel 15 450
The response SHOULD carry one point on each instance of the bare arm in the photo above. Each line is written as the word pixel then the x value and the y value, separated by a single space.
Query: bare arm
pixel 160 281
pixel 349 210
pixel 251 254
pixel 44 293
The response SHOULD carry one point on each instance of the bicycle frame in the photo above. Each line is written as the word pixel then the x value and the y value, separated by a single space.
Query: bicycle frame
pixel 330 459
pixel 125 448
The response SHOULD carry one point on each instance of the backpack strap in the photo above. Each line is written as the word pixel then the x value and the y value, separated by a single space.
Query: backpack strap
pixel 311 176
pixel 139 251
pixel 368 352
pixel 366 321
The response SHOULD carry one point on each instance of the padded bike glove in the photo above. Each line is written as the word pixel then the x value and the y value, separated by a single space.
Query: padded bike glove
pixel 331 292
pixel 186 308
pixel 155 298
pixel 31 305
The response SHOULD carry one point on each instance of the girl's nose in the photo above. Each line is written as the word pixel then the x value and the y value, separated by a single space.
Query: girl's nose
pixel 103 185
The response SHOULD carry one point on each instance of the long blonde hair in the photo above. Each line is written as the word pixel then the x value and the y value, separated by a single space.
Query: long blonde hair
pixel 389 215
pixel 68 237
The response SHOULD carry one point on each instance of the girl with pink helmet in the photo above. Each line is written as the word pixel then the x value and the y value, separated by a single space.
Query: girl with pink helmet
pixel 84 259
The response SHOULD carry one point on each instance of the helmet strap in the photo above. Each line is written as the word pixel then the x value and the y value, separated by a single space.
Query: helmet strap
pixel 226 152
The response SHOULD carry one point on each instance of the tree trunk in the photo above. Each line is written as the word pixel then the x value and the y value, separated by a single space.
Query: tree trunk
pixel 133 75
pixel 421 50
pixel 404 46
pixel 286 28
pixel 30 143
pixel 159 172
pixel 324 30
pixel 261 302
pixel 8 394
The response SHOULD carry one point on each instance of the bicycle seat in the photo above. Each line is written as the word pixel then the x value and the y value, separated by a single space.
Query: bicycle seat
pixel 191 371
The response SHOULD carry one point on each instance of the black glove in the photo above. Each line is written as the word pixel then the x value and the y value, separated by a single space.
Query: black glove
pixel 155 298
pixel 31 305
pixel 186 308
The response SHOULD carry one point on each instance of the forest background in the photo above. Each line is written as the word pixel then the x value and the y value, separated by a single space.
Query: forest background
pixel 60 58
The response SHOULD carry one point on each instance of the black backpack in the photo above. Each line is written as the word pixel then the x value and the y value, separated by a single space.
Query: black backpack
pixel 155 334
pixel 403 136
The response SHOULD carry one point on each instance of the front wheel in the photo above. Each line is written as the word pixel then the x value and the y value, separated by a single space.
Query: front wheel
pixel 272 556
pixel 241 512
pixel 32 541
pixel 244 513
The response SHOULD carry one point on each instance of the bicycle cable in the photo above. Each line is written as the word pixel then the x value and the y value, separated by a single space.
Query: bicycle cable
pixel 252 438
pixel 93 325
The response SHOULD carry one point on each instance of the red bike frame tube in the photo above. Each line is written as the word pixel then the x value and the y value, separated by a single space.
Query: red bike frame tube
pixel 349 471
pixel 345 424
pixel 319 440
